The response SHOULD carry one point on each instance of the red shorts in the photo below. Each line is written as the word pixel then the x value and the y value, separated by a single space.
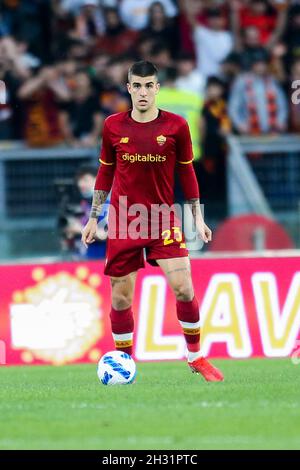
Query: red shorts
pixel 126 256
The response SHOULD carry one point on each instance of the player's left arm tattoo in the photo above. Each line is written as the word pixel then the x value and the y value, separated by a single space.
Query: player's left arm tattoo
pixel 99 198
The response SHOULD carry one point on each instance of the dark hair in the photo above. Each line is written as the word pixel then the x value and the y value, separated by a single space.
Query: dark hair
pixel 159 47
pixel 213 80
pixel 260 55
pixel 142 69
pixel 183 55
pixel 151 8
pixel 214 13
pixel 85 170
pixel 107 10
pixel 170 74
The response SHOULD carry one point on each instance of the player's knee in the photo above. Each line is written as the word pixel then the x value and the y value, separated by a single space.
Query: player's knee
pixel 183 291
pixel 121 301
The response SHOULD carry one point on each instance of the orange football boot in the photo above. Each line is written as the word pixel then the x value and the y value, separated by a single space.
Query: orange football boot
pixel 205 368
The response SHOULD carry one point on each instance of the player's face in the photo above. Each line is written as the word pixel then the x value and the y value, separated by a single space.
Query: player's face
pixel 143 91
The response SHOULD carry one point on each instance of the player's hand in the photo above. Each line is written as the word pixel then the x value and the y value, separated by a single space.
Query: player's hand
pixel 204 232
pixel 89 232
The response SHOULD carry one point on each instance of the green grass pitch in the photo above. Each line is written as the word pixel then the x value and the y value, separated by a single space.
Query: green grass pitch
pixel 257 407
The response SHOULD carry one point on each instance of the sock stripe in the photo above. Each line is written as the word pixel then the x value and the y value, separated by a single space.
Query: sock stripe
pixel 123 344
pixel 191 331
pixel 188 325
pixel 122 337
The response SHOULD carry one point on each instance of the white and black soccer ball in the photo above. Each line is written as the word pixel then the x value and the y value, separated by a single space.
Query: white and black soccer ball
pixel 116 368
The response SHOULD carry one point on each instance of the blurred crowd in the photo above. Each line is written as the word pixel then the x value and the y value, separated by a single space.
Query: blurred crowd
pixel 64 64
pixel 228 66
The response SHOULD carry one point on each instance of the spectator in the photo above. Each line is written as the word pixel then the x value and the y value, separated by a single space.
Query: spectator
pixel 278 61
pixel 189 9
pixel 79 52
pixel 268 17
pixel 41 95
pixel 67 69
pixel 26 59
pixel 97 35
pixel 30 19
pixel 12 71
pixel 257 103
pixel 74 213
pixel 188 76
pixel 18 61
pixel 183 102
pixel 161 28
pixel 230 69
pixel 117 39
pixel 212 43
pixel 63 30
pixel 6 111
pixel 161 57
pixel 114 97
pixel 73 6
pixel 134 13
pixel 81 117
pixel 89 21
pixel 251 44
pixel 215 126
pixel 98 68
pixel 144 48
pixel 252 47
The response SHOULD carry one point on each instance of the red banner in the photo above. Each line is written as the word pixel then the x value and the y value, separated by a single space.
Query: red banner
pixel 59 313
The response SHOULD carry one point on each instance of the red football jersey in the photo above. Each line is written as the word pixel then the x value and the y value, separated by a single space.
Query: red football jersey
pixel 145 156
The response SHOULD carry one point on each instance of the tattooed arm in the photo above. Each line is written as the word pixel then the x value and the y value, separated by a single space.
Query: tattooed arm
pixel 90 230
pixel 99 199
pixel 202 229
pixel 190 189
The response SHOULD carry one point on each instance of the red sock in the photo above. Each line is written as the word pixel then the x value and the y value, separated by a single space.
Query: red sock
pixel 122 325
pixel 189 319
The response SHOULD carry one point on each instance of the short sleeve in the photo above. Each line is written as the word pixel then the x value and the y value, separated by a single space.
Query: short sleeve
pixel 184 148
pixel 107 154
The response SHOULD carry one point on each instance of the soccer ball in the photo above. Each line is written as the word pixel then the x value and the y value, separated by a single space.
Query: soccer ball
pixel 116 368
